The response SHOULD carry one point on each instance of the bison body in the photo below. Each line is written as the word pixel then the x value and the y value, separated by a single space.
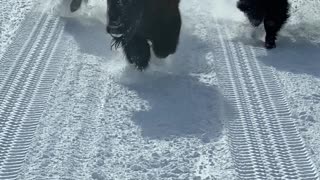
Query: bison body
pixel 273 13
pixel 141 25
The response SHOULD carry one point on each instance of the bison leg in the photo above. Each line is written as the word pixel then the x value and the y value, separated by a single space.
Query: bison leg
pixel 271 33
pixel 165 40
pixel 273 22
pixel 137 51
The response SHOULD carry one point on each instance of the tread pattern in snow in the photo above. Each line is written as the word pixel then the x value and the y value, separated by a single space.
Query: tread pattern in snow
pixel 265 141
pixel 27 70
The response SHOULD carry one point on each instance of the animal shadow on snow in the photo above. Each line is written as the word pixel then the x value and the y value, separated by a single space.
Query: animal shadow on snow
pixel 180 104
pixel 294 52
pixel 299 56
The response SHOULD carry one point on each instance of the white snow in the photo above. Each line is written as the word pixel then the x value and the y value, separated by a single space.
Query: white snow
pixel 105 120
pixel 11 14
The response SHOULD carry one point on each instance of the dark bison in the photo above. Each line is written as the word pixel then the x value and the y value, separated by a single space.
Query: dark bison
pixel 75 5
pixel 138 25
pixel 273 13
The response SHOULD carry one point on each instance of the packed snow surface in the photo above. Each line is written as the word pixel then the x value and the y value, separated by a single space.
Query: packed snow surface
pixel 72 108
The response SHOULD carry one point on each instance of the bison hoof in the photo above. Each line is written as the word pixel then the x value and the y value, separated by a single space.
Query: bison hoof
pixel 137 52
pixel 270 45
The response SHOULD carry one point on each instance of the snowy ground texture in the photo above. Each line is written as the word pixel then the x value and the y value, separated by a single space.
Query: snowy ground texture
pixel 222 107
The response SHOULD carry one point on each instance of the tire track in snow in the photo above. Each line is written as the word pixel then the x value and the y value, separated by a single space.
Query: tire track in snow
pixel 204 31
pixel 266 143
pixel 153 126
pixel 28 69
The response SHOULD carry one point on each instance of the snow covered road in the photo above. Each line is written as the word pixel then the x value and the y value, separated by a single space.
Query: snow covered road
pixel 222 107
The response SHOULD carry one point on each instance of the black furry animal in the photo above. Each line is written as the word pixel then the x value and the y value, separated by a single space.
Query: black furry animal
pixel 274 14
pixel 138 25
pixel 75 5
